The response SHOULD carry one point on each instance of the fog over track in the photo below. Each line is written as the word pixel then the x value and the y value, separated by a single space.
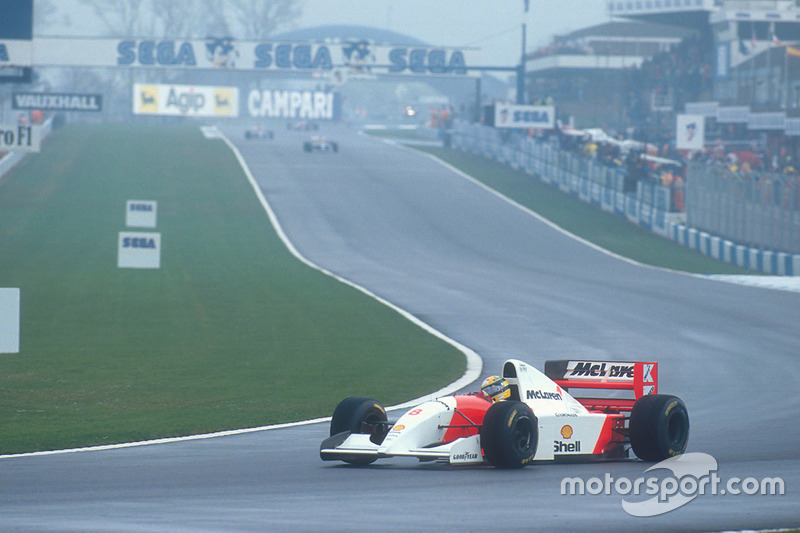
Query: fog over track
pixel 501 282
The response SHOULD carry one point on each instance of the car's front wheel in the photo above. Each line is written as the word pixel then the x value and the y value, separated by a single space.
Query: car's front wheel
pixel 358 414
pixel 509 434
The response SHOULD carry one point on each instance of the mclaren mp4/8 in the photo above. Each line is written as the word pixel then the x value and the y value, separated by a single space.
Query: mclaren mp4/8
pixel 522 417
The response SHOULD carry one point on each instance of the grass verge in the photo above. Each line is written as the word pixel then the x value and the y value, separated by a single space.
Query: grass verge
pixel 231 332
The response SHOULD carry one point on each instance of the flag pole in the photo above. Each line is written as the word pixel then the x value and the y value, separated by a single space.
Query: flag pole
pixel 521 73
pixel 785 102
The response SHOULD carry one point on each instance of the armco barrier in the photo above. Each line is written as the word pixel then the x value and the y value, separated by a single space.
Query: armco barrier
pixel 778 263
pixel 592 183
pixel 9 161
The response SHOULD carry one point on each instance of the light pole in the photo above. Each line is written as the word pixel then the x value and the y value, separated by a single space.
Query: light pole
pixel 521 69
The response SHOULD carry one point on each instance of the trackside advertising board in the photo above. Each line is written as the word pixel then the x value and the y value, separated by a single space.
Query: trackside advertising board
pixel 139 250
pixel 20 138
pixel 16 33
pixel 57 101
pixel 141 213
pixel 9 320
pixel 185 100
pixel 524 116
pixel 310 105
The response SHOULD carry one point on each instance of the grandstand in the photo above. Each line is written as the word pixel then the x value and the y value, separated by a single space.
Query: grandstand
pixel 734 65
pixel 656 56
pixel 585 70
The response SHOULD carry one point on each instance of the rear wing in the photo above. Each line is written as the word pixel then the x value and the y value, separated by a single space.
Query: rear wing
pixel 639 377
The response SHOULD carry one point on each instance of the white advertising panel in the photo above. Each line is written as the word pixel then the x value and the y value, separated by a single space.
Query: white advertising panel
pixel 16 53
pixel 766 121
pixel 141 213
pixel 524 116
pixel 9 320
pixel 20 138
pixel 57 101
pixel 690 132
pixel 311 105
pixel 139 250
pixel 707 109
pixel 733 114
pixel 185 100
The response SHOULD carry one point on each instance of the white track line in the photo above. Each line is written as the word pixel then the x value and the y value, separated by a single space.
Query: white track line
pixel 474 362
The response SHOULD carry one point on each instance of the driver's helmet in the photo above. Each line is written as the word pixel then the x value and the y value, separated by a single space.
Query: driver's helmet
pixel 496 388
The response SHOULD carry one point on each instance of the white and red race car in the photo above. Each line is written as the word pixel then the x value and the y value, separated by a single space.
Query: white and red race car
pixel 319 143
pixel 541 421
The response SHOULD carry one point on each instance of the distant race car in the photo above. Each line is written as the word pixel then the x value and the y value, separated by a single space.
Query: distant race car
pixel 302 125
pixel 539 420
pixel 320 144
pixel 258 132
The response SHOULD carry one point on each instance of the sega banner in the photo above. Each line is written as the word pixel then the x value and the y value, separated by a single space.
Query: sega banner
pixel 227 53
pixel 524 116
pixel 185 100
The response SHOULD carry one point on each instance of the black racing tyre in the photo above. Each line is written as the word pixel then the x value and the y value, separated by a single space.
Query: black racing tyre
pixel 659 427
pixel 306 147
pixel 358 414
pixel 509 434
pixel 334 147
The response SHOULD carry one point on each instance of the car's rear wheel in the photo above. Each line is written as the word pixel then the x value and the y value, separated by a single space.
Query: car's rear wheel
pixel 509 434
pixel 659 427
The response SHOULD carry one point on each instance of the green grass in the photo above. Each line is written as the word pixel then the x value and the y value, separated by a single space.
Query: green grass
pixel 607 230
pixel 231 332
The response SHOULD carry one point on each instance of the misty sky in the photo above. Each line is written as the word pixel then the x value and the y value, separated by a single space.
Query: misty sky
pixel 492 25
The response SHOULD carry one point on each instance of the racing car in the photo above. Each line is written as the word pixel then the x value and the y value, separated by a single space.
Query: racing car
pixel 536 419
pixel 319 143
pixel 302 125
pixel 258 132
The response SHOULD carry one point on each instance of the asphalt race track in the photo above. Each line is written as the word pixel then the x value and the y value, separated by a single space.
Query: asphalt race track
pixel 503 283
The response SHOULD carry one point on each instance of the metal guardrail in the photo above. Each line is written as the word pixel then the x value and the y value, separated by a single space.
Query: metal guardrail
pixel 757 209
pixel 648 205
pixel 607 187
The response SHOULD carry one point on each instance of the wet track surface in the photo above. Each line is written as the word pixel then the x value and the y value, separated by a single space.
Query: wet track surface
pixel 503 283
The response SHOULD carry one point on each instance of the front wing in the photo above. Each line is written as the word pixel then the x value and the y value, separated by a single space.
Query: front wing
pixel 357 447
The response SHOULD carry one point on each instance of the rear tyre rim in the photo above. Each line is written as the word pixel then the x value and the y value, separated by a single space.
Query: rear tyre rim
pixel 676 428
